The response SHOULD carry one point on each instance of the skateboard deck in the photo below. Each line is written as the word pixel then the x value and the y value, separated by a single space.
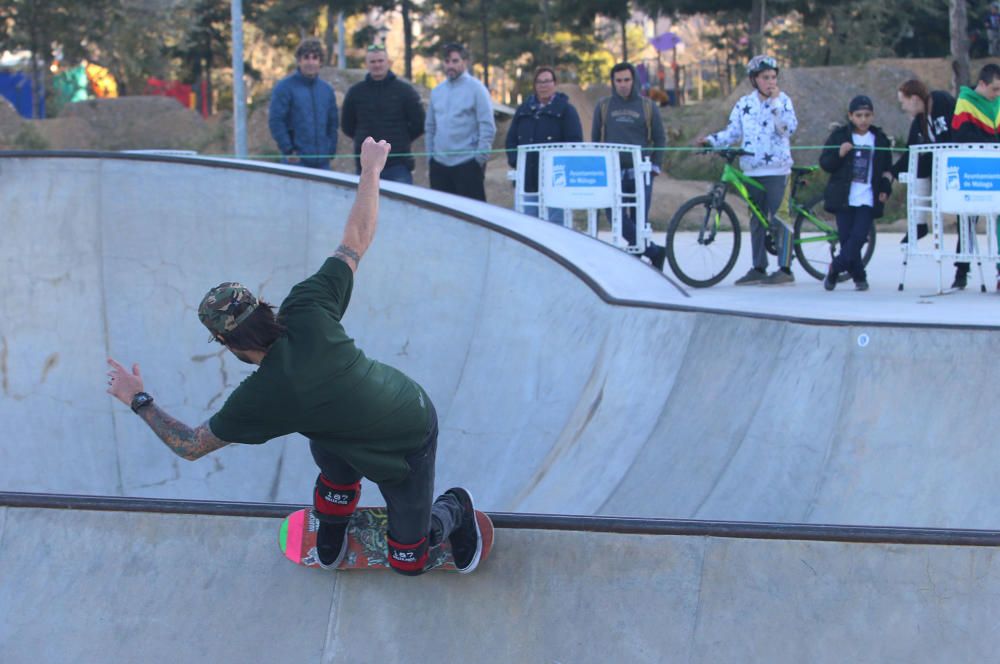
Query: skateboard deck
pixel 366 545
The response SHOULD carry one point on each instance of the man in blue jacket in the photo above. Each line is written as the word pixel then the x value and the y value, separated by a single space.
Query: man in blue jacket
pixel 303 112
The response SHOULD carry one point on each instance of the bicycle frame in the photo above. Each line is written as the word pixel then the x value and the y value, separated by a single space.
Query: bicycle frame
pixel 738 180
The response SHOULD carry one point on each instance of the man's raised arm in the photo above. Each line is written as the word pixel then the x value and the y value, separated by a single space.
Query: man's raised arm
pixel 360 229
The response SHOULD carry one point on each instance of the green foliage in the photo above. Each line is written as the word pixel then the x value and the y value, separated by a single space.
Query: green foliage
pixel 29 138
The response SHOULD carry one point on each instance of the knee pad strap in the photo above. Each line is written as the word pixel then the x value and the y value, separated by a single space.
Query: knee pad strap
pixel 408 559
pixel 331 499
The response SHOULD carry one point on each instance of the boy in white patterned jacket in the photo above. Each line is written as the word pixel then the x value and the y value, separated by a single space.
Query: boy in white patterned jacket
pixel 762 123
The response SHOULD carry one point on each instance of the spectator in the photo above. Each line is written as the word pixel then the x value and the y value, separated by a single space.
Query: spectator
pixel 992 23
pixel 977 120
pixel 931 113
pixel 858 159
pixel 386 108
pixel 460 129
pixel 545 117
pixel 763 122
pixel 977 112
pixel 626 117
pixel 303 111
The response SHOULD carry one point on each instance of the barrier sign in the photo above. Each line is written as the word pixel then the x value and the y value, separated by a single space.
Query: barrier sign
pixel 969 182
pixel 578 180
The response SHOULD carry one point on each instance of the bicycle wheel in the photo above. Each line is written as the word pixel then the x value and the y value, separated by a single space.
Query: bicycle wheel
pixel 816 241
pixel 703 242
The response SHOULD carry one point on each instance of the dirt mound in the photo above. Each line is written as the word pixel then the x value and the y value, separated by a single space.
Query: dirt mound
pixel 132 123
pixel 10 120
pixel 585 101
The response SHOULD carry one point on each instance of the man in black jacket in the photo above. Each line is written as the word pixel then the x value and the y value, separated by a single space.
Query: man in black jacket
pixel 385 108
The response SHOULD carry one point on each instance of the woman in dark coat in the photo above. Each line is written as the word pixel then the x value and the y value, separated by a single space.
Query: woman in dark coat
pixel 545 117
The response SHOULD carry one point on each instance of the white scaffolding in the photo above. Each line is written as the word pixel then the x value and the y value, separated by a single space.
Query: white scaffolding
pixel 557 188
pixel 964 182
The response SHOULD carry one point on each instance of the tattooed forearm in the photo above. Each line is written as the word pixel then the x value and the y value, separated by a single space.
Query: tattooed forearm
pixel 185 442
pixel 347 255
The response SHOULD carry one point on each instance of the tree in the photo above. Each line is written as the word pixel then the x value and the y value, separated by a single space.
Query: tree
pixel 204 45
pixel 959 22
pixel 42 26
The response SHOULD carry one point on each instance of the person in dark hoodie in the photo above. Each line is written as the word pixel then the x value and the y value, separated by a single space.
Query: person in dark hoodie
pixel 386 108
pixel 545 117
pixel 303 112
pixel 932 113
pixel 977 120
pixel 858 159
pixel 628 118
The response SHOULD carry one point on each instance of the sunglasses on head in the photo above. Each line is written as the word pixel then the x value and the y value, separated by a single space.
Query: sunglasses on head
pixel 376 47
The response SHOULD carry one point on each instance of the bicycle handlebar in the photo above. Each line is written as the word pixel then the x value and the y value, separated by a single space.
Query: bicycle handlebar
pixel 729 154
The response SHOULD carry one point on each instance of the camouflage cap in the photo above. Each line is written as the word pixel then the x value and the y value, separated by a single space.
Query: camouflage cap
pixel 225 307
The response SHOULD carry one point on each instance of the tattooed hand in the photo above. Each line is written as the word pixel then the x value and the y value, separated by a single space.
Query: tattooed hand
pixel 122 384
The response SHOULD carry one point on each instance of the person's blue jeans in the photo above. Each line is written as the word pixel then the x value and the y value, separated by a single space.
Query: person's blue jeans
pixel 853 226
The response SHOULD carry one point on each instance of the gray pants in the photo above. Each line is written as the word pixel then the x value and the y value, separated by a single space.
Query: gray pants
pixel 769 201
pixel 408 502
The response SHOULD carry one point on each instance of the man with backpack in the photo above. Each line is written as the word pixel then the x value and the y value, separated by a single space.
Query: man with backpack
pixel 629 118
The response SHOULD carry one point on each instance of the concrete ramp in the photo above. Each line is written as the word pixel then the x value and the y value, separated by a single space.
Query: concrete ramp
pixel 569 377
pixel 114 586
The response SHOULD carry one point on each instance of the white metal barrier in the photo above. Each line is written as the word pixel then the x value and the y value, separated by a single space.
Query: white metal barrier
pixel 965 181
pixel 585 176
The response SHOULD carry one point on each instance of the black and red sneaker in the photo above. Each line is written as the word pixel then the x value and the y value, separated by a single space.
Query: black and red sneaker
pixel 466 540
pixel 331 543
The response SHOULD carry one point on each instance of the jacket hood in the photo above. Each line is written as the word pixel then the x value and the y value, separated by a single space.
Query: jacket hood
pixel 559 101
pixel 388 77
pixel 635 84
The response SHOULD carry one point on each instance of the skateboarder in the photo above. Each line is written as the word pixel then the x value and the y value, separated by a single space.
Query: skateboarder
pixel 363 418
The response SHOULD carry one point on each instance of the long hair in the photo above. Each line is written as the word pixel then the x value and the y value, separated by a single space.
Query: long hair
pixel 261 329
pixel 916 88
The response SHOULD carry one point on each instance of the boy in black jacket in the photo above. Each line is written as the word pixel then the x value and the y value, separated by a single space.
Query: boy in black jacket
pixel 858 160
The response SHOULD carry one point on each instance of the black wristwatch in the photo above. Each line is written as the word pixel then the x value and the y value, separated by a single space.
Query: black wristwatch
pixel 140 400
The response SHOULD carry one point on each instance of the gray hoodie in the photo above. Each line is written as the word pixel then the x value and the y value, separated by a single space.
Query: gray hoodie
pixel 627 124
pixel 459 120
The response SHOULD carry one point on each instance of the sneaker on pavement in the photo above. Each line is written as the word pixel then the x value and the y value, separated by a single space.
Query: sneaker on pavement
pixel 961 281
pixel 331 544
pixel 830 280
pixel 466 540
pixel 861 285
pixel 658 256
pixel 778 278
pixel 754 276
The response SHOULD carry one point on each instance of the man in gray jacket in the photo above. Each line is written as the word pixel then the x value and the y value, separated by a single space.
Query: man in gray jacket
pixel 459 129
pixel 626 117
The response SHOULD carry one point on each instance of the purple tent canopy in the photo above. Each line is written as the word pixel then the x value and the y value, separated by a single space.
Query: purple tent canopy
pixel 665 42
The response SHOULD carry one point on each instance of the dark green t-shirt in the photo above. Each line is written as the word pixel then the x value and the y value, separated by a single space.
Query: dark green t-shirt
pixel 315 381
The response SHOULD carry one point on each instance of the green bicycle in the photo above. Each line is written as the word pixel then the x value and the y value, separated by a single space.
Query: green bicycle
pixel 703 238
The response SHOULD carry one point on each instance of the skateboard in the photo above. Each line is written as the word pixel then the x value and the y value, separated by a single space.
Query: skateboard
pixel 366 545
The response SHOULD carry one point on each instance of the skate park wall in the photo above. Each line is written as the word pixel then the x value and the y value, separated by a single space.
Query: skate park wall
pixel 569 377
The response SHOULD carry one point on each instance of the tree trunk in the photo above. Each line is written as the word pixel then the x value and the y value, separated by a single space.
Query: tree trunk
pixel 624 39
pixel 959 19
pixel 757 21
pixel 331 20
pixel 407 39
pixel 484 28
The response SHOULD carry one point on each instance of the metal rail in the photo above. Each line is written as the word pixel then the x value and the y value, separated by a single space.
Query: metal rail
pixel 593 524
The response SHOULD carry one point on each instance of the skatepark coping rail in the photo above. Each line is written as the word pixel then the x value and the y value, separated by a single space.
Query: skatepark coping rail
pixel 594 524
